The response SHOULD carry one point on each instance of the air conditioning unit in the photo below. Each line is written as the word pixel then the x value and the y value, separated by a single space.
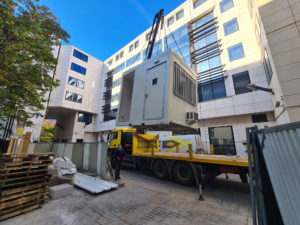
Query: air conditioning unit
pixel 191 117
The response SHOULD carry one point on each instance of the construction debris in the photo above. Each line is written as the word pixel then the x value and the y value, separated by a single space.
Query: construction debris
pixel 24 180
pixel 61 190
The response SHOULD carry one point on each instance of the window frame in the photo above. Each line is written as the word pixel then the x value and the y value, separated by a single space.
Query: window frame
pixel 267 66
pixel 181 11
pixel 76 82
pixel 228 50
pixel 79 55
pixel 211 84
pixel 221 4
pixel 235 77
pixel 77 68
pixel 226 34
pixel 232 134
pixel 73 97
pixel 136 44
pixel 170 19
pixel 195 5
pixel 131 48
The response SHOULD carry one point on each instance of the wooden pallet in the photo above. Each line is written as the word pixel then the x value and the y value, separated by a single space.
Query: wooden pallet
pixel 24 180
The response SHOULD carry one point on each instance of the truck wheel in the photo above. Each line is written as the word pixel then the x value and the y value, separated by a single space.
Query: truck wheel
pixel 160 169
pixel 183 173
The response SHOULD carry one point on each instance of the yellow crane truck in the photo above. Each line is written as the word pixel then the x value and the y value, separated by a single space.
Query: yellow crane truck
pixel 143 151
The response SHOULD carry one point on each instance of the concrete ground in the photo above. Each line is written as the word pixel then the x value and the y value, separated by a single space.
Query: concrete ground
pixel 147 200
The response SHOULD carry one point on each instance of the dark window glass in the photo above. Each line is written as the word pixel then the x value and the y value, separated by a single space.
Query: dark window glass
pixel 211 90
pixel 78 68
pixel 267 66
pixel 259 118
pixel 225 5
pixel 222 140
pixel 80 55
pixel 198 2
pixel 110 115
pixel 236 52
pixel 231 26
pixel 130 48
pixel 85 117
pixel 240 81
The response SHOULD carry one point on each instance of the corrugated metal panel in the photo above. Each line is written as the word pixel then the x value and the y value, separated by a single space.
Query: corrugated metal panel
pixel 281 150
pixel 91 184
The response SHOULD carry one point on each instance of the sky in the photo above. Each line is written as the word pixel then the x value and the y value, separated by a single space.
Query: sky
pixel 102 27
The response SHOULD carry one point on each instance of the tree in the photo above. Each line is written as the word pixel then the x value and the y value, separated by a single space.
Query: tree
pixel 47 132
pixel 29 33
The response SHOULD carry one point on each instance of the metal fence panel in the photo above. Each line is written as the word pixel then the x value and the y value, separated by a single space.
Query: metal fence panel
pixel 281 150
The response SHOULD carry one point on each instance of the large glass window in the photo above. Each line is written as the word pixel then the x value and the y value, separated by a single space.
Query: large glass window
pixel 156 49
pixel 182 46
pixel 198 2
pixel 73 97
pixel 133 59
pixel 211 90
pixel 231 26
pixel 119 68
pixel 267 66
pixel 236 52
pixel 240 81
pixel 80 55
pixel 85 117
pixel 225 5
pixel 222 140
pixel 76 82
pixel 78 69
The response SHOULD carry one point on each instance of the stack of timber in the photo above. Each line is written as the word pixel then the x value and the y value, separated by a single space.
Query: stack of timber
pixel 24 180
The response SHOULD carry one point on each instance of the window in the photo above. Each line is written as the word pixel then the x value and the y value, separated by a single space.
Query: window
pixel 198 2
pixel 236 52
pixel 257 29
pixel 76 82
pixel 85 117
pixel 78 68
pixel 130 48
pixel 179 15
pixel 117 83
pixel 110 62
pixel 231 27
pixel 225 5
pixel 154 81
pixel 211 90
pixel 121 55
pixel 240 81
pixel 133 59
pixel 118 68
pixel 115 97
pixel 259 118
pixel 267 66
pixel 73 97
pixel 170 21
pixel 156 49
pixel 136 44
pixel 117 57
pixel 148 36
pixel 80 55
pixel 222 140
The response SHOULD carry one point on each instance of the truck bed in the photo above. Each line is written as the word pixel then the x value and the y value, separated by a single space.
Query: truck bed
pixel 241 161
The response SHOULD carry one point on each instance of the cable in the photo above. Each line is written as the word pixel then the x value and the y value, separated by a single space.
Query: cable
pixel 176 44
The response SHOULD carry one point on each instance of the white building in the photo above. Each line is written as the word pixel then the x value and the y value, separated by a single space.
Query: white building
pixel 222 40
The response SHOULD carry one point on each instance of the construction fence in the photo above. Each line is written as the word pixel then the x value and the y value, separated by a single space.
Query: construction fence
pixel 91 157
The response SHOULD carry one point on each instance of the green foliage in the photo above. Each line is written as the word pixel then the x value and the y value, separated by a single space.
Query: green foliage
pixel 28 34
pixel 47 132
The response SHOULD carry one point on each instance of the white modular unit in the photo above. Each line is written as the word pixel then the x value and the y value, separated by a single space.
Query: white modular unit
pixel 159 94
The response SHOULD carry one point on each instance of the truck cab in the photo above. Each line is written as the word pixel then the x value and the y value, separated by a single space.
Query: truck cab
pixel 121 136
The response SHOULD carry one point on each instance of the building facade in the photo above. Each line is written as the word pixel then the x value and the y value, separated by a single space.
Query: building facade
pixel 229 44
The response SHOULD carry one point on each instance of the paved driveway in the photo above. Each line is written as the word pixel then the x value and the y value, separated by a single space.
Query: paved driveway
pixel 147 200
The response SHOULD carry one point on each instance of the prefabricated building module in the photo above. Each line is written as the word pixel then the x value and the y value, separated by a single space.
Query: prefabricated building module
pixel 159 94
